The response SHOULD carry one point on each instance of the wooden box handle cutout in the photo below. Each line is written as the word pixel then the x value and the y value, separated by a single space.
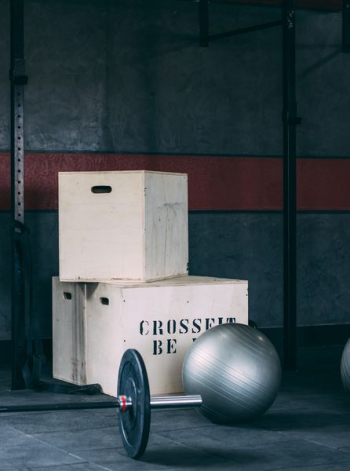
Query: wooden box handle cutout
pixel 101 189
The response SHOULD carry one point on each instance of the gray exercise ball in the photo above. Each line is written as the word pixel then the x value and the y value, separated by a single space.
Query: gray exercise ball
pixel 345 366
pixel 235 369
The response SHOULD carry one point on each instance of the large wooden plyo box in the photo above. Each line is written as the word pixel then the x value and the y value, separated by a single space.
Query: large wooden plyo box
pixel 94 323
pixel 129 225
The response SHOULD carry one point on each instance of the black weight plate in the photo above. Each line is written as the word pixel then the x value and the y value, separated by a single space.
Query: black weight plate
pixel 134 423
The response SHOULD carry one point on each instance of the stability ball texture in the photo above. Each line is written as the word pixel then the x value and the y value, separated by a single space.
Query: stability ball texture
pixel 235 369
pixel 345 366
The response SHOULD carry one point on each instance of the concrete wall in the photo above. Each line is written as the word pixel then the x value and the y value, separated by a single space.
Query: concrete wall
pixel 126 77
pixel 117 76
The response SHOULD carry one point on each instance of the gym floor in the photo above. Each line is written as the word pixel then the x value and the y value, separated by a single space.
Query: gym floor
pixel 307 428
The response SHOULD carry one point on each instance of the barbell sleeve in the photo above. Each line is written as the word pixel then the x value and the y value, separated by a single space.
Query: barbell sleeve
pixel 173 402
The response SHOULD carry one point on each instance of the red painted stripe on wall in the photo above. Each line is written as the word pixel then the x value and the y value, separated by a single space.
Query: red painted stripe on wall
pixel 215 183
pixel 324 184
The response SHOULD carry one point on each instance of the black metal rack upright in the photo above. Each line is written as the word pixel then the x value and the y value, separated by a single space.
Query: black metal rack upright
pixel 18 81
pixel 290 121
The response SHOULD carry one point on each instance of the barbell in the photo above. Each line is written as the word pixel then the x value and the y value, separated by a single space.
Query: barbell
pixel 133 401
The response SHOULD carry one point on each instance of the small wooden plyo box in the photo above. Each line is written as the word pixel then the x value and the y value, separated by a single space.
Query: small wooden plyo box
pixel 94 323
pixel 129 225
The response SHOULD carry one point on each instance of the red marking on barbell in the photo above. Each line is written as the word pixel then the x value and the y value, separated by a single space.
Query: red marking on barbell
pixel 123 398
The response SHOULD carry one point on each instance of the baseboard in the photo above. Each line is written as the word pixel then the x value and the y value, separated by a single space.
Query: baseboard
pixel 308 336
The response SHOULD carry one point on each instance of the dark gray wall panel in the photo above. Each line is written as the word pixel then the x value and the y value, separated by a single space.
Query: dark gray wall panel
pixel 323 85
pixel 66 63
pixel 178 97
pixel 44 240
pixel 129 76
pixel 324 268
pixel 249 246
pixel 245 246
pixel 233 245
